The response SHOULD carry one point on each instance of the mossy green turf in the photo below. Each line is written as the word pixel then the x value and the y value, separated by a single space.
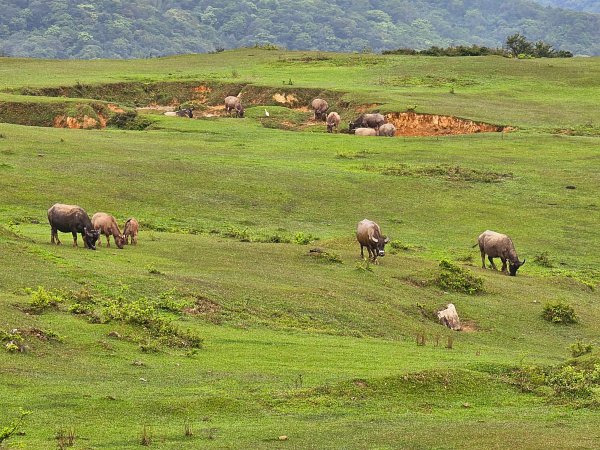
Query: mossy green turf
pixel 321 352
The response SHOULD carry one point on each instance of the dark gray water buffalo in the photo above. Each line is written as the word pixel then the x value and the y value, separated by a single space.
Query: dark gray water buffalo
pixel 233 103
pixel 387 129
pixel 72 219
pixel 188 112
pixel 368 234
pixel 497 245
pixel 333 121
pixel 320 108
pixel 107 226
pixel 367 120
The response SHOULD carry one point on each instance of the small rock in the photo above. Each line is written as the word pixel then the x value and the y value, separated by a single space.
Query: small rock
pixel 143 380
pixel 114 334
pixel 138 363
pixel 466 405
pixel 570 186
pixel 283 438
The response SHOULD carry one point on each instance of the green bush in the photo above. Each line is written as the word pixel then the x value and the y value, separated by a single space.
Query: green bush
pixel 560 312
pixel 580 349
pixel 573 383
pixel 145 313
pixel 42 299
pixel 7 431
pixel 303 238
pixel 457 279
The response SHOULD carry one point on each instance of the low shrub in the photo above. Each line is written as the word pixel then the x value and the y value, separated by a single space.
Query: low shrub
pixel 145 313
pixel 301 238
pixel 543 259
pixel 41 299
pixel 579 349
pixel 457 279
pixel 573 383
pixel 561 313
pixel 14 427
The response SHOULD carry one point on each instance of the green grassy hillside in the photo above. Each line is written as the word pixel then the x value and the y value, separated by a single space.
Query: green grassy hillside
pixel 222 321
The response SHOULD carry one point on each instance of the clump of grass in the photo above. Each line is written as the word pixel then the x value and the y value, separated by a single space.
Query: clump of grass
pixel 543 259
pixel 324 256
pixel 559 313
pixel 355 155
pixel 450 173
pixel 364 266
pixel 145 313
pixel 41 300
pixel 233 232
pixel 153 270
pixel 187 428
pixel 65 437
pixel 13 427
pixel 395 246
pixel 579 349
pixel 145 437
pixel 566 382
pixel 301 238
pixel 457 279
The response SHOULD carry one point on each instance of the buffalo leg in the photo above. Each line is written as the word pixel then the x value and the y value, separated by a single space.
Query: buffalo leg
pixel 107 240
pixel 483 260
pixel 99 241
pixel 134 239
pixel 492 262
pixel 362 251
pixel 74 233
pixel 54 236
pixel 503 264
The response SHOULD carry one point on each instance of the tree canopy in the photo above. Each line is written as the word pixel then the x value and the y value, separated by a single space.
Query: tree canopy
pixel 149 28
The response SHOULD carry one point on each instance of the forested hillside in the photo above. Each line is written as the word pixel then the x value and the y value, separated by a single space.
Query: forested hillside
pixel 148 28
pixel 577 5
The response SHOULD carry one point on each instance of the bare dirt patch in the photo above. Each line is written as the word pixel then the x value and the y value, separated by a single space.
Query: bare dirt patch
pixel 203 306
pixel 202 93
pixel 413 124
pixel 115 108
pixel 469 326
pixel 286 99
pixel 85 122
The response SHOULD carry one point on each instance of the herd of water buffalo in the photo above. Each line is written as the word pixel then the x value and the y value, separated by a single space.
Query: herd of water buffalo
pixel 74 219
pixel 364 125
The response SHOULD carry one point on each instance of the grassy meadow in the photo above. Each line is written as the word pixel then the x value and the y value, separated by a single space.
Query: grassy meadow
pixel 221 329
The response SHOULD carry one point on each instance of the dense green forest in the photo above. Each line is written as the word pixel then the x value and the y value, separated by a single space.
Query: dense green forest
pixel 149 28
pixel 577 5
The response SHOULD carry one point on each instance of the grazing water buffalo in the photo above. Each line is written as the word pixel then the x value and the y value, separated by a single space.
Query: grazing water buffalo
pixel 185 113
pixel 130 230
pixel 367 120
pixel 449 317
pixel 387 129
pixel 497 245
pixel 368 234
pixel 365 132
pixel 333 121
pixel 107 226
pixel 320 107
pixel 72 219
pixel 233 103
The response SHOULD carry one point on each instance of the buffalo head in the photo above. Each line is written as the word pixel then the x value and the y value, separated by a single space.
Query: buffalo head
pixel 90 237
pixel 380 244
pixel 512 268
